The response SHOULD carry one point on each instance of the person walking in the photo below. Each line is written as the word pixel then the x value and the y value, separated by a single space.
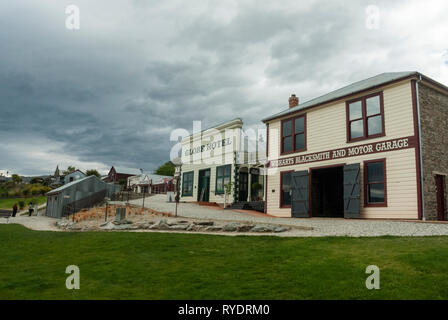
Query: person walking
pixel 14 209
pixel 30 209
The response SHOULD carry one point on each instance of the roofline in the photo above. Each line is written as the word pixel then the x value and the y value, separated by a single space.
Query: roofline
pixel 435 83
pixel 74 172
pixel 222 124
pixel 407 77
pixel 56 191
pixel 130 174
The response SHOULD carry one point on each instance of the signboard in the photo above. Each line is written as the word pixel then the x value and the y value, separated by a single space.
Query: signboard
pixel 346 152
pixel 209 146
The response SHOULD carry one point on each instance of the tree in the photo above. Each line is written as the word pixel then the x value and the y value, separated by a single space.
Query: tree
pixel 69 170
pixel 93 172
pixel 227 190
pixel 166 169
pixel 16 178
pixel 37 180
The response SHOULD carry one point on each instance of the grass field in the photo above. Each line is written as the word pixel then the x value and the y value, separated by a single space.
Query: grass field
pixel 130 265
pixel 8 203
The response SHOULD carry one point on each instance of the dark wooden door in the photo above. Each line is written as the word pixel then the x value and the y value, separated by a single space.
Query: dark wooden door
pixel 352 190
pixel 440 193
pixel 299 197
pixel 204 186
pixel 243 189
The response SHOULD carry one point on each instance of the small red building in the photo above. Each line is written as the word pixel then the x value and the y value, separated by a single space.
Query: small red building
pixel 118 177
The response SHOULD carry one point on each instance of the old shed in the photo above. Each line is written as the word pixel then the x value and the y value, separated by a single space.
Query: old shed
pixel 78 194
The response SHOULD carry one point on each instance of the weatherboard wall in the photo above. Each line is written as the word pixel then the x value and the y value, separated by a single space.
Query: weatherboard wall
pixel 210 159
pixel 326 130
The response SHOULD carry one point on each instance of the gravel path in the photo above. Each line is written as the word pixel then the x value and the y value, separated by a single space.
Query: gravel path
pixel 321 226
pixel 34 222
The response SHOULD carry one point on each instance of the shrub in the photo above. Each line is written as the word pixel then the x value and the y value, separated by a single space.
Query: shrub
pixel 44 189
pixel 21 204
pixel 256 186
pixel 35 191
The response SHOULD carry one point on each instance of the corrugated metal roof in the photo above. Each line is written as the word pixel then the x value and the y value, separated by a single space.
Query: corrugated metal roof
pixel 68 185
pixel 156 179
pixel 124 170
pixel 377 80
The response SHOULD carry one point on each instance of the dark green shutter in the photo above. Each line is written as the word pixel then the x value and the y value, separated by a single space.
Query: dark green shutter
pixel 299 197
pixel 352 190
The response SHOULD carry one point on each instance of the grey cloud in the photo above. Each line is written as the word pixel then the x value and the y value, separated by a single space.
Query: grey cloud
pixel 111 92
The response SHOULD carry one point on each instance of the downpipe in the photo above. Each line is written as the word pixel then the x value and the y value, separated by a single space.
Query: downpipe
pixel 420 147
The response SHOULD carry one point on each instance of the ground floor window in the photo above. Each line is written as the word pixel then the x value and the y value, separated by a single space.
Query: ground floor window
pixel 375 183
pixel 187 183
pixel 285 195
pixel 223 174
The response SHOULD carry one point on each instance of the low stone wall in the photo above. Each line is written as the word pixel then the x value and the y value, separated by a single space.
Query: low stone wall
pixel 176 225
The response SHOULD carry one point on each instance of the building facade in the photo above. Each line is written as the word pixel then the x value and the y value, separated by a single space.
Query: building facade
pixel 117 176
pixel 218 165
pixel 72 176
pixel 58 179
pixel 374 149
pixel 150 183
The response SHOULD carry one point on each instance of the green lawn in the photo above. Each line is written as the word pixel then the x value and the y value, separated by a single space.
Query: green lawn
pixel 125 265
pixel 8 203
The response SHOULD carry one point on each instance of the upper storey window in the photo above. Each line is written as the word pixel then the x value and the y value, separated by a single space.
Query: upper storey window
pixel 294 134
pixel 365 117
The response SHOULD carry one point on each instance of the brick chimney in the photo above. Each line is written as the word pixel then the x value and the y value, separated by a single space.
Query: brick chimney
pixel 293 101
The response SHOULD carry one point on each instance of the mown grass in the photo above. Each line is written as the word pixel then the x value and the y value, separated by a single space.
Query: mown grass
pixel 125 265
pixel 8 203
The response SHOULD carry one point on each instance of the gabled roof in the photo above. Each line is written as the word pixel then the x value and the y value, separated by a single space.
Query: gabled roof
pixel 123 171
pixel 68 185
pixel 152 178
pixel 370 83
pixel 157 179
pixel 77 170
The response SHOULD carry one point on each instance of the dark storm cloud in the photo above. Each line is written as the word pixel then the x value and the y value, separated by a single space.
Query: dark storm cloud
pixel 112 92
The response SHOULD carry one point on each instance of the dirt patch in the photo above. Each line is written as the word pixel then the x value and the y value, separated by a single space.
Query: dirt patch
pixel 151 220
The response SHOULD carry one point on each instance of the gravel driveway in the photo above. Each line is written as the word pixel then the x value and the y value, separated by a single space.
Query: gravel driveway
pixel 321 226
pixel 35 222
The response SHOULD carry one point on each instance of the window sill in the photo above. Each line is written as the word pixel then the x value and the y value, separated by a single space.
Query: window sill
pixel 285 207
pixel 375 205
pixel 366 138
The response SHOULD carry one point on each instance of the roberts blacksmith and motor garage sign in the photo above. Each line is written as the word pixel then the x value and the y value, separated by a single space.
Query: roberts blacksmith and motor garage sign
pixel 383 146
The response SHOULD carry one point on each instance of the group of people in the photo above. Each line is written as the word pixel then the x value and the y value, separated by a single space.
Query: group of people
pixel 32 207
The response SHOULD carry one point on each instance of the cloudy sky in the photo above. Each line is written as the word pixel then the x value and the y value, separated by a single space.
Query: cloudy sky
pixel 111 92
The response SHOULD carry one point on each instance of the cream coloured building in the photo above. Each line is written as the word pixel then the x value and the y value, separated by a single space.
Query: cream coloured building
pixel 224 155
pixel 364 151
